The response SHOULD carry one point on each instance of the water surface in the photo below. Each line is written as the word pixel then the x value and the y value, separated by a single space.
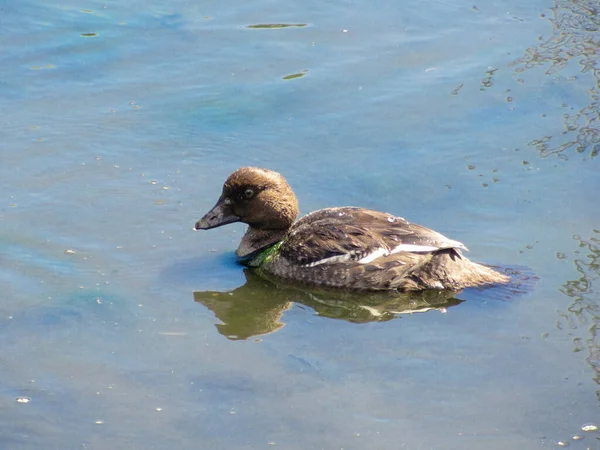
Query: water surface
pixel 121 121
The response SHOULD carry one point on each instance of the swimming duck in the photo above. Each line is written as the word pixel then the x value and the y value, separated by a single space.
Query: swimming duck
pixel 346 247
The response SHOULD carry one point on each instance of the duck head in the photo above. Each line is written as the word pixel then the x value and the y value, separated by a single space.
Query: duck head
pixel 260 198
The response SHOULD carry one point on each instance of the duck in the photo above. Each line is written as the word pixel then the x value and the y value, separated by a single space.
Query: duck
pixel 348 247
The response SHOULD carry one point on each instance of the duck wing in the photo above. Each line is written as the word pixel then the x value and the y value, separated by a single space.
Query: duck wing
pixel 336 235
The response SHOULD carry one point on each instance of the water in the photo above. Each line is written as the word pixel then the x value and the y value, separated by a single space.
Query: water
pixel 121 121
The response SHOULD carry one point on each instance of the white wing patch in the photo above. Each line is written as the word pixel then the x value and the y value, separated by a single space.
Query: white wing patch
pixel 401 248
pixel 330 260
pixel 379 252
pixel 372 256
pixel 414 248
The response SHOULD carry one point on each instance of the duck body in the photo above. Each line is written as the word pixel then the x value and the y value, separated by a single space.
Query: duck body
pixel 360 249
pixel 346 247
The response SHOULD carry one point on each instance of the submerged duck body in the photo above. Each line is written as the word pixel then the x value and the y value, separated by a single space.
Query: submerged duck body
pixel 345 247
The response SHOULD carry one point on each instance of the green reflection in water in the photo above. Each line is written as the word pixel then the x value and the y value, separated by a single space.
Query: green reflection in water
pixel 277 25
pixel 256 307
pixel 576 36
pixel 294 75
pixel 585 308
pixel 487 81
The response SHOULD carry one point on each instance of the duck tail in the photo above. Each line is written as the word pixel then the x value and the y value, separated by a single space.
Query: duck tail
pixel 450 269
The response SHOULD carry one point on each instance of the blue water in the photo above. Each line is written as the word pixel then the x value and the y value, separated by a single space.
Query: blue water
pixel 120 122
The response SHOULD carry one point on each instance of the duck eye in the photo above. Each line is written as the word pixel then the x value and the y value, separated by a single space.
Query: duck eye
pixel 248 193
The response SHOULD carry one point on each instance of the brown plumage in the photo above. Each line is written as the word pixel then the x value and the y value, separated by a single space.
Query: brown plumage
pixel 347 247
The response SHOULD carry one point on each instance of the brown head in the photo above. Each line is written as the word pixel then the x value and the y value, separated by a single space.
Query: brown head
pixel 259 197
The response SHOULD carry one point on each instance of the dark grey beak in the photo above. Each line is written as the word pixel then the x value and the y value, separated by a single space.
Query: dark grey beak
pixel 220 214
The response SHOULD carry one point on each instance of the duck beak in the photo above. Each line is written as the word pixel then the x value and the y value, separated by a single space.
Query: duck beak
pixel 220 214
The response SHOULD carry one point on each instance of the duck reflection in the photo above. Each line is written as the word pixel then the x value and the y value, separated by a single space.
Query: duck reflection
pixel 256 307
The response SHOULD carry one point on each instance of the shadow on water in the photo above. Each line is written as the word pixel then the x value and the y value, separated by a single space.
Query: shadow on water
pixel 257 307
pixel 584 311
pixel 576 36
